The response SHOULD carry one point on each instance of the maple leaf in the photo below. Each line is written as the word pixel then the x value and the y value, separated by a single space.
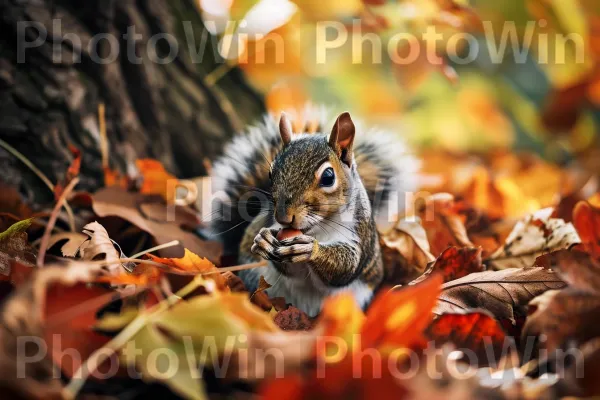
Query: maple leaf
pixel 454 263
pixel 537 234
pixel 502 293
pixel 586 218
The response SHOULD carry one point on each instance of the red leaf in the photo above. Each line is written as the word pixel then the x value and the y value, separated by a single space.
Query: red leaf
pixel 586 218
pixel 71 174
pixel 475 331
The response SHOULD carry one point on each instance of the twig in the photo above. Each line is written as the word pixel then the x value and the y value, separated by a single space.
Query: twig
pixel 17 154
pixel 162 246
pixel 52 221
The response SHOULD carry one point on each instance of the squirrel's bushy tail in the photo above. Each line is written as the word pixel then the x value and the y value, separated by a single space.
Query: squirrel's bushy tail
pixel 240 177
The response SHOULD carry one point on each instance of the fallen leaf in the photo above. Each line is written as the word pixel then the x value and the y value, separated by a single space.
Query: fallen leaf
pixel 14 245
pixel 72 172
pixel 156 179
pixel 100 247
pixel 117 202
pixel 444 226
pixel 578 269
pixel 455 263
pixel 503 293
pixel 405 251
pixel 586 218
pixel 564 316
pixel 398 317
pixel 293 319
pixel 193 263
pixel 537 234
pixel 474 330
pixel 71 242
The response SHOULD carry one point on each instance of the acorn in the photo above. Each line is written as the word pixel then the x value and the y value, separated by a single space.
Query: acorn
pixel 288 233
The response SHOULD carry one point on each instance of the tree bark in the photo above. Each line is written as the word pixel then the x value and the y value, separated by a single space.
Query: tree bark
pixel 49 97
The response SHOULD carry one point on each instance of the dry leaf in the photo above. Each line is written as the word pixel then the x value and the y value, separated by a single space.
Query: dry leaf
pixel 293 319
pixel 100 247
pixel 586 218
pixel 72 242
pixel 473 330
pixel 454 263
pixel 14 246
pixel 443 224
pixel 156 180
pixel 405 252
pixel 532 237
pixel 114 201
pixel 502 293
pixel 71 174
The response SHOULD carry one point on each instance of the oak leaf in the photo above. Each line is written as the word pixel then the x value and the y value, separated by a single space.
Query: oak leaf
pixel 454 263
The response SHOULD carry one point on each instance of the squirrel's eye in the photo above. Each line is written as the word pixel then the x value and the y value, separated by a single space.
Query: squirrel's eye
pixel 327 178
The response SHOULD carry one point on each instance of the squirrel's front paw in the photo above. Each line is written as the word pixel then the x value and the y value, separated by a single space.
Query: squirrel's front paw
pixel 297 249
pixel 265 244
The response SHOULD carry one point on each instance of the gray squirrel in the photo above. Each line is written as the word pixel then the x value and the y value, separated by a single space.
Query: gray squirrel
pixel 307 203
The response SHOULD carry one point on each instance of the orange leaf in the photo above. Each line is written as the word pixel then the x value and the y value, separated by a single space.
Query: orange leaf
pixel 586 218
pixel 191 262
pixel 156 180
pixel 342 317
pixel 143 275
pixel 72 172
pixel 398 317
pixel 455 262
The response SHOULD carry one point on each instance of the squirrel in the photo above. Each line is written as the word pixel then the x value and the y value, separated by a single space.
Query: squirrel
pixel 326 190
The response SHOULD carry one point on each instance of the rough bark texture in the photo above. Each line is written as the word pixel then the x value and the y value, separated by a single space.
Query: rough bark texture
pixel 170 111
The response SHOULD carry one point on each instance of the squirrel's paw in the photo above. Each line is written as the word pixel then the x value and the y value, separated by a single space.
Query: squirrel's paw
pixel 265 244
pixel 296 250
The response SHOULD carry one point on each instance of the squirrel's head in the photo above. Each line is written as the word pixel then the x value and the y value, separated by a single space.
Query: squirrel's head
pixel 312 175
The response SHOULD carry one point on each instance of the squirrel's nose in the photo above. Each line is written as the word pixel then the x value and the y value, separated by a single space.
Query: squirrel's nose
pixel 284 218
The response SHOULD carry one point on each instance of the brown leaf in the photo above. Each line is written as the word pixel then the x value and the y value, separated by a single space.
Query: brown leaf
pixel 502 293
pixel 580 270
pixel 70 242
pixel 14 245
pixel 114 201
pixel 234 282
pixel 454 263
pixel 260 297
pixel 563 316
pixel 100 247
pixel 293 319
pixel 474 330
pixel 443 224
pixel 405 252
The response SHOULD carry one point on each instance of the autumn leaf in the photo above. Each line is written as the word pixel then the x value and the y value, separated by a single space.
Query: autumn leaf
pixel 70 242
pixel 586 218
pixel 473 330
pixel 156 179
pixel 455 263
pixel 398 317
pixel 443 224
pixel 99 246
pixel 293 319
pixel 342 317
pixel 405 251
pixel 537 234
pixel 260 297
pixel 72 172
pixel 14 246
pixel 192 263
pixel 130 207
pixel 503 293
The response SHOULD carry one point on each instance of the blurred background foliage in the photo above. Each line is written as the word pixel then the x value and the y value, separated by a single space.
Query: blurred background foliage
pixel 542 100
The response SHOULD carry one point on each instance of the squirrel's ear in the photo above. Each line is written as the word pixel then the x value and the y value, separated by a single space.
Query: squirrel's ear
pixel 342 137
pixel 285 129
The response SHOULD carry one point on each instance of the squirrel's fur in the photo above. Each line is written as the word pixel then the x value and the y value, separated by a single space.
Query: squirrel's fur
pixel 339 248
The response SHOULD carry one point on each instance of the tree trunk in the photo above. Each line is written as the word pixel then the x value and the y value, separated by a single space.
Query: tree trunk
pixel 49 98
